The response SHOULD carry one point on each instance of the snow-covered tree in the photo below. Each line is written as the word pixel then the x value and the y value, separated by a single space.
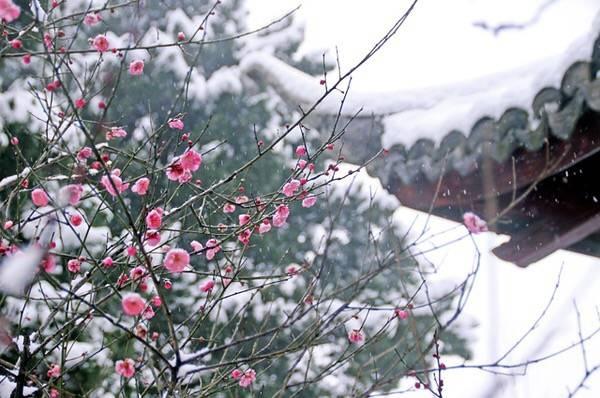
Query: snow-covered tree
pixel 196 238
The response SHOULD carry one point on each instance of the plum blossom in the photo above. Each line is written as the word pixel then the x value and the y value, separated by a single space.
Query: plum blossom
pixel 281 215
pixel 247 378
pixel 118 183
pixel 53 371
pixel 356 336
pixel 136 67
pixel 80 103
pixel 125 368
pixel 92 19
pixel 196 246
pixel 74 265
pixel 176 260
pixel 75 219
pixel 130 251
pixel 236 374
pixel 133 304
pixel 244 219
pixel 176 172
pixel 207 286
pixel 115 132
pixel 100 43
pixel 84 153
pixel 71 193
pixel 309 201
pixel 474 224
pixel 401 314
pixel 290 188
pixel 48 263
pixel 191 160
pixel 228 208
pixel 176 124
pixel 300 151
pixel 244 236
pixel 264 226
pixel 152 237
pixel 154 218
pixel 16 44
pixel 9 11
pixel 212 248
pixel 107 262
pixel 148 313
pixel 141 186
pixel 39 197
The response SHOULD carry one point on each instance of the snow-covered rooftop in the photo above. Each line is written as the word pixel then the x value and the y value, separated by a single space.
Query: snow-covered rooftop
pixel 524 80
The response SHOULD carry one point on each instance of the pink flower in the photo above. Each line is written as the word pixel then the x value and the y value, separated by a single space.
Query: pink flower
pixel 176 124
pixel 71 193
pixel 132 304
pixel 76 219
pixel 212 248
pixel 300 150
pixel 8 224
pixel 248 378
pixel 116 179
pixel 356 336
pixel 154 218
pixel 301 165
pixel 244 236
pixel 27 59
pixel 54 393
pixel 100 43
pixel 131 251
pixel 74 265
pixel 125 368
pixel 191 160
pixel 196 246
pixel 156 301
pixel 176 172
pixel 9 11
pixel 92 19
pixel 141 186
pixel 290 188
pixel 80 103
pixel 84 153
pixel 16 44
pixel 39 197
pixel 264 227
pixel 244 219
pixel 236 374
pixel 137 273
pixel 240 200
pixel 148 313
pixel 115 132
pixel 136 67
pixel 54 371
pixel 107 262
pixel 152 237
pixel 48 263
pixel 176 260
pixel 309 201
pixel 228 208
pixel 281 215
pixel 474 224
pixel 401 314
pixel 207 286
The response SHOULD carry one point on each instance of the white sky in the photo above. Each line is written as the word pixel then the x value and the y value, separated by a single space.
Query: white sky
pixel 439 56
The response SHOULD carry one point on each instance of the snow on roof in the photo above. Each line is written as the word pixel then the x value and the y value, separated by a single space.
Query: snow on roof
pixel 532 53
